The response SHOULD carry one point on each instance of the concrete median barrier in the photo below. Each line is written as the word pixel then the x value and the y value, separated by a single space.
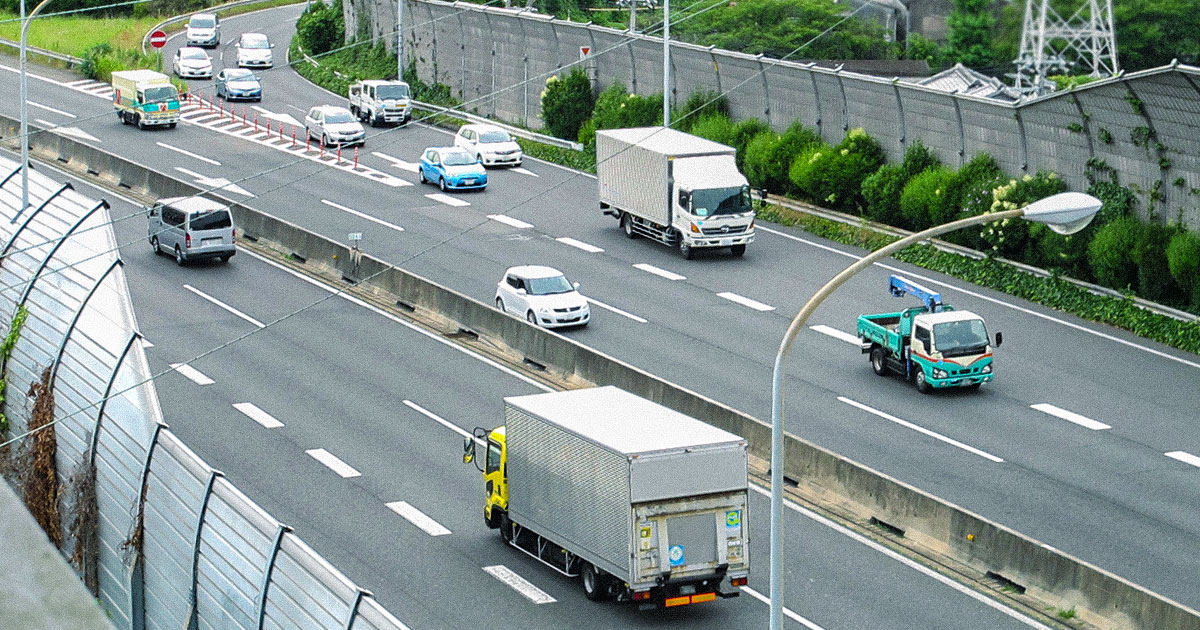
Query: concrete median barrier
pixel 1097 596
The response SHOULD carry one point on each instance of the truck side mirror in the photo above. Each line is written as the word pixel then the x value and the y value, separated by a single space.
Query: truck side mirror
pixel 468 450
pixel 153 211
pixel 999 339
pixel 762 196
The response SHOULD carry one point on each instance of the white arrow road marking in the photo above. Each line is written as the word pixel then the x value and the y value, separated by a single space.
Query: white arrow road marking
pixel 336 465
pixel 258 415
pixel 525 172
pixel 192 374
pixel 397 162
pixel 663 273
pixel 361 215
pixel 1070 416
pixel 68 131
pixel 418 518
pixel 1184 457
pixel 283 118
pixel 448 200
pixel 836 334
pixel 745 301
pixel 519 584
pixel 188 153
pixel 507 220
pixel 51 109
pixel 219 183
pixel 617 310
pixel 920 429
pixel 786 611
pixel 580 244
pixel 224 306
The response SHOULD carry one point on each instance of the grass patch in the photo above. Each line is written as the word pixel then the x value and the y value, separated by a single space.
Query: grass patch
pixel 73 35
pixel 1069 613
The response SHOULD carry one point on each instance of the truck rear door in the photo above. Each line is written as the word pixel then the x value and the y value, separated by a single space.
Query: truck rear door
pixel 691 537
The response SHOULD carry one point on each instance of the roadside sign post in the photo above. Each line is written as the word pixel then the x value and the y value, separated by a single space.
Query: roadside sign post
pixel 158 39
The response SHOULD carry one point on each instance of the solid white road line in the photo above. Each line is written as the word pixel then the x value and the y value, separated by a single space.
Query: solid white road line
pixel 1184 457
pixel 258 415
pixel 836 334
pixel 662 273
pixel 192 374
pixel 745 301
pixel 507 220
pixel 591 249
pixel 524 172
pixel 418 518
pixel 188 153
pixel 397 162
pixel 906 561
pixel 51 109
pixel 338 466
pixel 224 306
pixel 617 310
pixel 519 584
pixel 361 215
pixel 919 429
pixel 1070 416
pixel 448 200
pixel 787 612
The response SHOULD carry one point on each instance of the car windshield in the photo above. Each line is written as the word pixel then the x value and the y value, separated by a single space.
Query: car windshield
pixel 494 136
pixel 211 220
pixel 201 22
pixel 161 94
pixel 339 116
pixel 549 286
pixel 255 41
pixel 713 201
pixel 239 75
pixel 956 339
pixel 192 53
pixel 391 92
pixel 457 158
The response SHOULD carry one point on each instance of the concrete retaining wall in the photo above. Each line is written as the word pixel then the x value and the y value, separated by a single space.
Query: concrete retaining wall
pixel 1096 595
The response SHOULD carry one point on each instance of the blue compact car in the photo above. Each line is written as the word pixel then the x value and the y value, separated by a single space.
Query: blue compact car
pixel 452 168
pixel 236 84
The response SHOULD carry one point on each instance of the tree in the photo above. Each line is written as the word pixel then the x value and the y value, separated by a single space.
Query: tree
pixel 567 103
pixel 969 33
pixel 1151 33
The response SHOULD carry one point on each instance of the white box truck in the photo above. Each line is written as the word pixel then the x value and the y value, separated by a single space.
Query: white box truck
pixel 377 102
pixel 676 188
pixel 145 98
pixel 644 503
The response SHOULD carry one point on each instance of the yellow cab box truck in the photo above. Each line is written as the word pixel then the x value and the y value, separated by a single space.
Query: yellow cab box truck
pixel 145 98
pixel 643 503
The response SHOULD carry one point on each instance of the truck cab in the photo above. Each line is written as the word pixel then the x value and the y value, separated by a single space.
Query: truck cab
pixel 713 206
pixel 494 472
pixel 379 102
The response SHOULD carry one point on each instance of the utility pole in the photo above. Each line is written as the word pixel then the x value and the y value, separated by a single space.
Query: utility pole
pixel 666 63
pixel 399 40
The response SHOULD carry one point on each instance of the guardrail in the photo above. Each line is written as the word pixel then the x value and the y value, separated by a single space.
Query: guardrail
pixel 179 18
pixel 49 54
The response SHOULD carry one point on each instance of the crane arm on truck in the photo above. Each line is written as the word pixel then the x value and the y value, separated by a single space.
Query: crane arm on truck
pixel 900 286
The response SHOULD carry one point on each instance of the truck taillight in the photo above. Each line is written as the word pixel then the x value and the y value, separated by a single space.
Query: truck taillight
pixel 742 581
pixel 187 240
pixel 641 595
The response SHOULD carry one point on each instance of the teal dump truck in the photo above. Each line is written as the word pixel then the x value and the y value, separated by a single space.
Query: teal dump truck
pixel 933 345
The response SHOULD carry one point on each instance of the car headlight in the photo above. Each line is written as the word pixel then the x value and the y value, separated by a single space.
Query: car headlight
pixel 939 373
pixel 987 369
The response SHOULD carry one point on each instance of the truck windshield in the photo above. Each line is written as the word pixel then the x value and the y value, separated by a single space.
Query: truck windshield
pixel 547 286
pixel 713 201
pixel 956 339
pixel 391 92
pixel 160 94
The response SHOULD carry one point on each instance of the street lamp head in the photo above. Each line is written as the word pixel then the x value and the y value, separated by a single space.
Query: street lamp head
pixel 1065 213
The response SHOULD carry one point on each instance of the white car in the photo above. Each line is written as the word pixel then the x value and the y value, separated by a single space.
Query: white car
pixel 490 144
pixel 254 51
pixel 333 125
pixel 543 296
pixel 192 63
pixel 204 29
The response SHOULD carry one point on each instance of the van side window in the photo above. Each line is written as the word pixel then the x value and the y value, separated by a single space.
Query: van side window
pixel 172 216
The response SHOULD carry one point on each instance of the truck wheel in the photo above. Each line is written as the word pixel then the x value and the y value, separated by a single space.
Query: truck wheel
pixel 506 529
pixel 686 250
pixel 371 119
pixel 879 361
pixel 738 250
pixel 627 226
pixel 593 582
pixel 121 117
pixel 141 124
pixel 923 385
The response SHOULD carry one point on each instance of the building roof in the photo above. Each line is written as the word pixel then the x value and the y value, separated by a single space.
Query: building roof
pixel 963 80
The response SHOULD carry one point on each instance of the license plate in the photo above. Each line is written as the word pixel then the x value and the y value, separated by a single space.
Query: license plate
pixel 209 242
pixel 726 241
pixel 468 182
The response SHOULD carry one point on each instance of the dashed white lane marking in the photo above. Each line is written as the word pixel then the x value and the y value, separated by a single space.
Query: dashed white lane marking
pixel 519 584
pixel 745 301
pixel 836 334
pixel 192 374
pixel 592 249
pixel 920 429
pixel 1070 416
pixel 525 172
pixel 397 162
pixel 662 273
pixel 507 220
pixel 188 153
pixel 51 109
pixel 448 200
pixel 1184 457
pixel 789 613
pixel 361 215
pixel 418 518
pixel 258 415
pixel 616 310
pixel 336 465
pixel 224 306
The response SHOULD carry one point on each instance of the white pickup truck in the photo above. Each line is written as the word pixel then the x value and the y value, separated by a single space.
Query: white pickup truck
pixel 378 102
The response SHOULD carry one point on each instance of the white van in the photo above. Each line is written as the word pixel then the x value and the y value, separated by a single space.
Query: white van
pixel 192 228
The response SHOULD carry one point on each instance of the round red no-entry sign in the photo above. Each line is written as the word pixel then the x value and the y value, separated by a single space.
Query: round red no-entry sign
pixel 158 39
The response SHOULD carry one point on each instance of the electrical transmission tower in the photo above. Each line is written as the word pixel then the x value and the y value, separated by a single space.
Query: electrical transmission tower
pixel 1052 45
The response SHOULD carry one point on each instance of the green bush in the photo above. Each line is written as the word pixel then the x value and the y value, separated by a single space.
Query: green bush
pixel 759 167
pixel 972 192
pixel 567 103
pixel 1183 260
pixel 616 108
pixel 1118 201
pixel 101 60
pixel 1153 270
pixel 833 176
pixel 715 127
pixel 881 190
pixel 743 132
pixel 698 105
pixel 768 156
pixel 924 203
pixel 1110 253
pixel 1011 238
pixel 321 28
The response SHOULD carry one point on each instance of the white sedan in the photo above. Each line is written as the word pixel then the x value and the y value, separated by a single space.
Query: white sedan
pixel 254 51
pixel 490 144
pixel 192 63
pixel 543 296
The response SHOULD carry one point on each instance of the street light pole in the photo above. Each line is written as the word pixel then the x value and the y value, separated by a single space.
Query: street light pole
pixel 399 40
pixel 666 63
pixel 24 94
pixel 1064 213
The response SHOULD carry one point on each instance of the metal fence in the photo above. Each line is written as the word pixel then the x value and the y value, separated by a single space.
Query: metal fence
pixel 174 545
pixel 1142 128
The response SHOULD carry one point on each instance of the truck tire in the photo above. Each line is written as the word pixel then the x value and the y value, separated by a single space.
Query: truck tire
pixel 687 251
pixel 627 226
pixel 738 250
pixel 923 385
pixel 121 117
pixel 595 583
pixel 879 361
pixel 506 528
pixel 140 123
